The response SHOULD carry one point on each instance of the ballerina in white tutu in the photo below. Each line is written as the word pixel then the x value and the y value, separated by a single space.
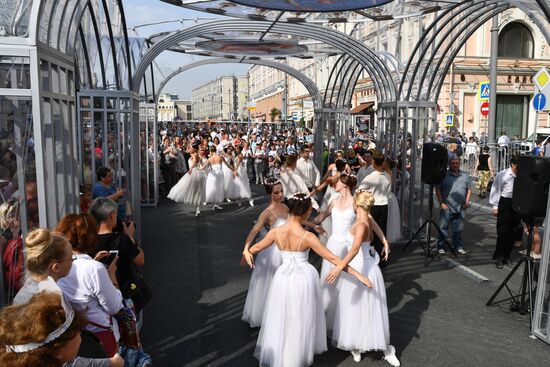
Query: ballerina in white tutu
pixel 239 187
pixel 361 319
pixel 190 189
pixel 329 180
pixel 228 170
pixel 393 228
pixel 343 216
pixel 268 260
pixel 215 182
pixel 293 327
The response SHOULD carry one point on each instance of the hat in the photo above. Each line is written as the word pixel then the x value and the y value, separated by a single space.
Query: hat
pixel 98 150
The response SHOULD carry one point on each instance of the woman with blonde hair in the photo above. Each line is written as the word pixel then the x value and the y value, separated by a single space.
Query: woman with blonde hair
pixel 361 315
pixel 48 255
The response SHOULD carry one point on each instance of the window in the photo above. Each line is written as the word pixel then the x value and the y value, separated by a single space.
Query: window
pixel 516 41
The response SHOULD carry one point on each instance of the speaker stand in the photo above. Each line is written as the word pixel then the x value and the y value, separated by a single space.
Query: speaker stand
pixel 428 223
pixel 518 301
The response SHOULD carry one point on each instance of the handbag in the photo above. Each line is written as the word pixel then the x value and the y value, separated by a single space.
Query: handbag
pixel 106 338
pixel 136 288
pixel 490 184
pixel 127 325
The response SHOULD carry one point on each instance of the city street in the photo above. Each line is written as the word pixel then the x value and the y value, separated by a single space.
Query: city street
pixel 438 315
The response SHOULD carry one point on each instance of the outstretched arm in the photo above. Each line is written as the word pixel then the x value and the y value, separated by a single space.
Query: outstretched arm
pixel 316 245
pixel 324 215
pixel 316 227
pixel 262 220
pixel 357 241
pixel 259 246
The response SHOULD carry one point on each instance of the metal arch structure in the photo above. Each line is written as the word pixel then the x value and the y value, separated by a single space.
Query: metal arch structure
pixel 366 57
pixel 307 82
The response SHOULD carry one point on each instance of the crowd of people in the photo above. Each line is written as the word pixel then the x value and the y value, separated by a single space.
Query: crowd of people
pixel 78 291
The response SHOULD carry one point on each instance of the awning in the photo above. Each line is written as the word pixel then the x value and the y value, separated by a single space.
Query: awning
pixel 361 107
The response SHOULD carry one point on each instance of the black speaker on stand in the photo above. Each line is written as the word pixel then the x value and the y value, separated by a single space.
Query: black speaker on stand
pixel 530 198
pixel 434 170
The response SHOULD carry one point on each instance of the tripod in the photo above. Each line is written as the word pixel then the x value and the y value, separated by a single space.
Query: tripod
pixel 428 223
pixel 518 301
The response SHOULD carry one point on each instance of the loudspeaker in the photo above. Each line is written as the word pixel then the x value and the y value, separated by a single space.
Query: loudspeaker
pixel 531 186
pixel 434 163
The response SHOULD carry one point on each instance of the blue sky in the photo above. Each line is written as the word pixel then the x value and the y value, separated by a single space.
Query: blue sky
pixel 140 12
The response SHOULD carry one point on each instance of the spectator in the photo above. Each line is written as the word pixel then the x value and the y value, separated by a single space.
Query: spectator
pixel 508 219
pixel 104 211
pixel 471 154
pixel 366 167
pixel 105 188
pixel 307 169
pixel 454 195
pixel 485 171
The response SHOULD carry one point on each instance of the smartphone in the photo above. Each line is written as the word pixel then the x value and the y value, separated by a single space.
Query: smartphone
pixel 107 260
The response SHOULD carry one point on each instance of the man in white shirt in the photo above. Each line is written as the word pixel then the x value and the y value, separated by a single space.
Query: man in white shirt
pixel 367 168
pixel 292 182
pixel 504 140
pixel 508 220
pixel 379 183
pixel 307 169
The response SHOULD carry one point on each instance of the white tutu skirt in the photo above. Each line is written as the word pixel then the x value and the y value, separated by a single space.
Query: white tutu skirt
pixel 265 265
pixel 361 318
pixel 239 188
pixel 190 189
pixel 329 196
pixel 293 328
pixel 227 178
pixel 215 186
pixel 338 246
pixel 393 230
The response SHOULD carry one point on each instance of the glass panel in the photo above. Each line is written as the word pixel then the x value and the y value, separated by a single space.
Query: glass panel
pixel 15 16
pixel 63 81
pixel 17 184
pixel 111 103
pixel 55 78
pixel 70 77
pixel 84 102
pixel 14 72
pixel 98 141
pixel 124 103
pixel 98 102
pixel 45 75
pixel 86 146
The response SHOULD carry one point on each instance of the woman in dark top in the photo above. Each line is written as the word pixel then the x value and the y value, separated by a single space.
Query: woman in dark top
pixel 485 171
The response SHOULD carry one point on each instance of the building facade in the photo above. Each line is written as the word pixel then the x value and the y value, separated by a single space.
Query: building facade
pixel 222 99
pixel 166 108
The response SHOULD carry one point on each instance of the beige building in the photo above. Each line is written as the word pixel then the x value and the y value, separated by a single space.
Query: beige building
pixel 166 108
pixel 523 50
pixel 222 99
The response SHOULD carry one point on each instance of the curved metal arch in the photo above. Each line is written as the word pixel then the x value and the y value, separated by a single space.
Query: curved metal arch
pixel 451 31
pixel 307 82
pixel 370 61
pixel 336 79
pixel 326 100
pixel 452 55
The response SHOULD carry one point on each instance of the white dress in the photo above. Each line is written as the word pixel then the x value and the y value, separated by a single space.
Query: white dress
pixel 190 189
pixel 227 177
pixel 239 188
pixel 293 328
pixel 329 196
pixel 393 229
pixel 265 265
pixel 361 319
pixel 342 220
pixel 215 184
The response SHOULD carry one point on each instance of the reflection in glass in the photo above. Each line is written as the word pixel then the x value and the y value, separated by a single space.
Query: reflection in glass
pixel 14 72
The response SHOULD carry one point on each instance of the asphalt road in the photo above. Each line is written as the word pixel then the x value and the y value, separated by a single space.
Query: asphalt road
pixel 438 315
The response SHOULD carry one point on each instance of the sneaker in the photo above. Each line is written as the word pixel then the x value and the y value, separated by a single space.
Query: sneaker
pixel 535 256
pixel 461 251
pixel 522 252
pixel 216 206
pixel 197 213
pixel 228 200
pixel 441 251
pixel 251 202
pixel 390 357
pixel 356 355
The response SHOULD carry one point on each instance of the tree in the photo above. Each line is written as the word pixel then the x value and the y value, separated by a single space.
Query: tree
pixel 274 113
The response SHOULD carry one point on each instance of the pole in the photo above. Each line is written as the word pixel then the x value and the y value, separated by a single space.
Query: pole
pixel 493 80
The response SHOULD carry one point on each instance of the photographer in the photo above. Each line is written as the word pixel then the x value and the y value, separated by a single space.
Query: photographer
pixel 105 188
pixel 453 194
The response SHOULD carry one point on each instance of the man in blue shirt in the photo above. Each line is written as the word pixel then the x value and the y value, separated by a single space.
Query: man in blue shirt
pixel 453 194
pixel 105 188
